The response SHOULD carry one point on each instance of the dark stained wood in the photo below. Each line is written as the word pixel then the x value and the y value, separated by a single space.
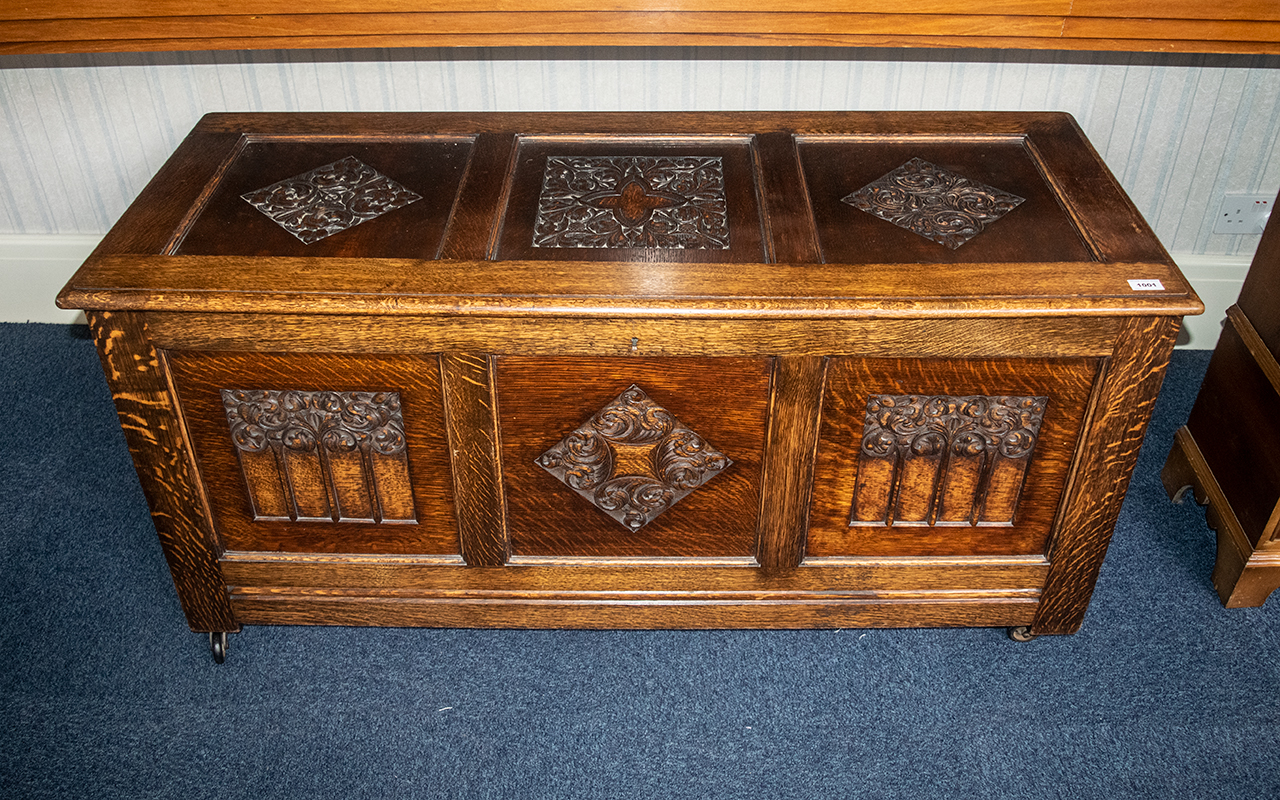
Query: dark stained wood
pixel 1229 450
pixel 790 236
pixel 476 215
pixel 837 480
pixel 471 413
pixel 175 195
pixel 148 25
pixel 499 339
pixel 199 379
pixel 724 401
pixel 736 189
pixel 1237 409
pixel 153 429
pixel 795 403
pixel 1243 576
pixel 1259 299
pixel 430 166
pixel 1104 464
pixel 1036 230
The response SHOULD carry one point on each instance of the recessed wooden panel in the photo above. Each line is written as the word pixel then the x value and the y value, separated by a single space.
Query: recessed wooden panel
pixel 542 402
pixel 931 200
pixel 333 198
pixel 631 199
pixel 983 478
pixel 321 496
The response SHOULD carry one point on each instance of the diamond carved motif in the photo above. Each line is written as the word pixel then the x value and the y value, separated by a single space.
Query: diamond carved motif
pixel 657 202
pixel 934 202
pixel 633 460
pixel 330 199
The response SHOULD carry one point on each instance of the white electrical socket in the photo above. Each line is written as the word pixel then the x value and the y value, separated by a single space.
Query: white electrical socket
pixel 1244 213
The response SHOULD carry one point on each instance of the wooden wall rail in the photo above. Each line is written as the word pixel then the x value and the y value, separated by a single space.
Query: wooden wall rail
pixel 1189 26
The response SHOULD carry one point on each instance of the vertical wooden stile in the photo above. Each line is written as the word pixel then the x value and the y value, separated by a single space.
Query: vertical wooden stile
pixel 478 206
pixel 795 403
pixel 1103 468
pixel 471 416
pixel 162 456
pixel 785 203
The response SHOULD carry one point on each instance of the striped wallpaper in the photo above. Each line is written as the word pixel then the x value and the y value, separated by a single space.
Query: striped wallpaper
pixel 81 134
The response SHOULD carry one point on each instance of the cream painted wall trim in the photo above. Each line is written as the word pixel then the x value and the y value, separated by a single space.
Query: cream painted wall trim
pixel 34 267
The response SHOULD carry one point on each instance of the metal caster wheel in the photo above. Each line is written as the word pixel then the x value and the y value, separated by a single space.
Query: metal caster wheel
pixel 1021 633
pixel 218 646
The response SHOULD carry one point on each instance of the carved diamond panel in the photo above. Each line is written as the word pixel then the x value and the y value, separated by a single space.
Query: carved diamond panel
pixel 330 199
pixel 934 202
pixel 929 460
pixel 633 460
pixel 660 202
pixel 315 456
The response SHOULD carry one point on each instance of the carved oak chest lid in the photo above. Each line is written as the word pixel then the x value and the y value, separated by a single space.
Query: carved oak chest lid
pixel 701 213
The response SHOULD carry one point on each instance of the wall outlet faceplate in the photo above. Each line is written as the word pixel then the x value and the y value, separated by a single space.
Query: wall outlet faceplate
pixel 1244 213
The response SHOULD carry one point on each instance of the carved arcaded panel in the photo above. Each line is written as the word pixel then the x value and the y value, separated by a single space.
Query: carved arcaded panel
pixel 662 202
pixel 316 456
pixel 330 199
pixel 934 202
pixel 938 460
pixel 633 460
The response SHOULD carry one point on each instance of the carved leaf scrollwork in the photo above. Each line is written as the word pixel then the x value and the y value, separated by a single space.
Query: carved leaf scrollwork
pixel 633 459
pixel 934 202
pixel 330 199
pixel 322 455
pixel 926 459
pixel 657 202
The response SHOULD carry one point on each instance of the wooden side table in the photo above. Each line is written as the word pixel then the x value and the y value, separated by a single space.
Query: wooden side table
pixel 1229 450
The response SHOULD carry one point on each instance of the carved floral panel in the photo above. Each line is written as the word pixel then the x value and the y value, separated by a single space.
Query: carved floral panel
pixel 930 460
pixel 330 199
pixel 934 202
pixel 317 456
pixel 661 202
pixel 633 459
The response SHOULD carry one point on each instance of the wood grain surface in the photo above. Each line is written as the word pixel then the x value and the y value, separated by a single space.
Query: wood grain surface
pixel 795 408
pixel 1067 384
pixel 200 379
pixel 1103 466
pixel 471 413
pixel 1037 337
pixel 1243 576
pixel 1075 213
pixel 162 456
pixel 1181 26
pixel 501 337
pixel 432 167
pixel 724 401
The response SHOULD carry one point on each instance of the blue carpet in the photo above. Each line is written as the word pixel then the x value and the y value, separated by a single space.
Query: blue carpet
pixel 1162 694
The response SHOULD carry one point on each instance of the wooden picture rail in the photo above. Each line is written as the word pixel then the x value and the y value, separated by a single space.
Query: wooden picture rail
pixel 1180 26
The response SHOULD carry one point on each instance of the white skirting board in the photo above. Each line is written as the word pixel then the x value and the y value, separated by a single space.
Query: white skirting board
pixel 33 269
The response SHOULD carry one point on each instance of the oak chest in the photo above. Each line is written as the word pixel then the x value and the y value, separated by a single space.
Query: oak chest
pixel 630 370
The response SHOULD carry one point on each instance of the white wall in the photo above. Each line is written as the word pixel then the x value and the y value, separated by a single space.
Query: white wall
pixel 81 135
